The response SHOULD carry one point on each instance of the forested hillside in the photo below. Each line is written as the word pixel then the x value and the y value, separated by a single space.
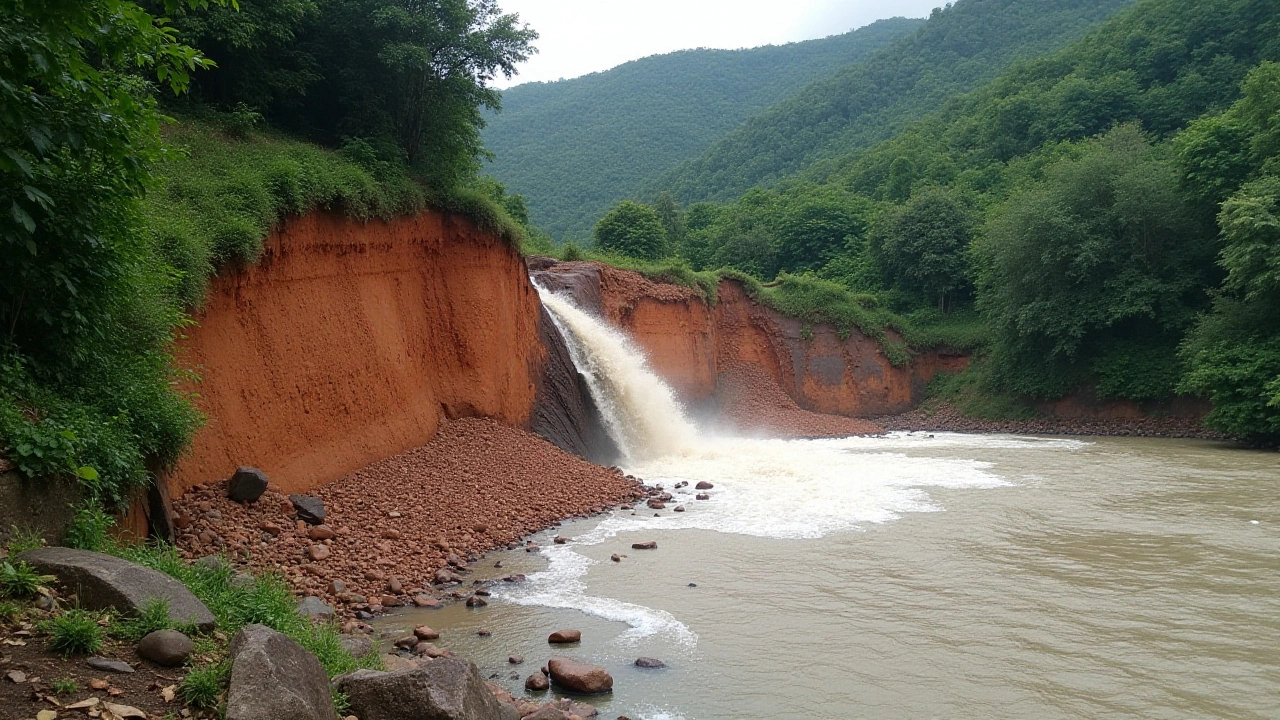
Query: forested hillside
pixel 574 147
pixel 961 47
pixel 1101 217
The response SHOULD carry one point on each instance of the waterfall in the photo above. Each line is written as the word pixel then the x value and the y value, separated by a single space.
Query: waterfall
pixel 640 411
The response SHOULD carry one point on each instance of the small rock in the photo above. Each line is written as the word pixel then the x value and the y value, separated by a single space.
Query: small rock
pixel 395 586
pixel 537 682
pixel 482 632
pixel 679 508
pixel 318 552
pixel 315 609
pixel 560 540
pixel 16 676
pixel 615 557
pixel 109 665
pixel 648 662
pixel 310 509
pixel 704 485
pixel 703 496
pixel 561 637
pixel 356 645
pixel 422 632
pixel 426 601
pixel 166 648
pixel 247 485
pixel 407 643
pixel 656 504
pixel 337 587
pixel 650 545
pixel 270 528
pixel 516 659
pixel 321 532
pixel 476 601
pixel 443 575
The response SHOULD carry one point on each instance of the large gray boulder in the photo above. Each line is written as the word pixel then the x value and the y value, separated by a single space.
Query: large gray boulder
pixel 103 582
pixel 275 678
pixel 444 689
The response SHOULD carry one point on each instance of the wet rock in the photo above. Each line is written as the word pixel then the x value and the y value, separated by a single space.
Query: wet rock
pixel 426 601
pixel 537 682
pixel 167 648
pixel 422 632
pixel 406 643
pixel 648 662
pixel 275 678
pixel 656 504
pixel 310 509
pixel 516 659
pixel 703 496
pixel 615 557
pixel 650 545
pixel 560 540
pixel 103 582
pixel 315 609
pixel 704 485
pixel 561 637
pixel 444 575
pixel 247 485
pixel 109 665
pixel 476 601
pixel 579 676
pixel 547 712
pixel 446 689
pixel 679 508
pixel 482 632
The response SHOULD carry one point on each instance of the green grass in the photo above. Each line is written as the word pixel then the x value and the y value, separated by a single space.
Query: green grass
pixel 65 686
pixel 202 687
pixel 19 580
pixel 971 393
pixel 153 616
pixel 75 632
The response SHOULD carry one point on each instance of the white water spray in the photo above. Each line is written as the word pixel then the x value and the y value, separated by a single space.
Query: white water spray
pixel 640 410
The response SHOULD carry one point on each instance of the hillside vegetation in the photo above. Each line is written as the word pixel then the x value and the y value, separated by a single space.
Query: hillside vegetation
pixel 960 48
pixel 574 147
pixel 113 225
pixel 1108 211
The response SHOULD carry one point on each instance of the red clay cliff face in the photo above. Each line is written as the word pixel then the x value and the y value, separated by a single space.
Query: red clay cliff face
pixel 349 342
pixel 692 344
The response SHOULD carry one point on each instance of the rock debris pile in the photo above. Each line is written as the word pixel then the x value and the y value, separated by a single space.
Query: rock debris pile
pixel 391 530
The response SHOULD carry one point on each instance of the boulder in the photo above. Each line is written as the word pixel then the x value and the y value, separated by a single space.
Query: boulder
pixel 422 632
pixel 247 485
pixel 315 609
pixel 704 485
pixel 579 676
pixel 275 678
pixel 446 689
pixel 648 662
pixel 167 648
pixel 565 636
pixel 310 509
pixel 103 582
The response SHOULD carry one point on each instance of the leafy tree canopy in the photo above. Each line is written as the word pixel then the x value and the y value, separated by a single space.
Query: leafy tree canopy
pixel 633 230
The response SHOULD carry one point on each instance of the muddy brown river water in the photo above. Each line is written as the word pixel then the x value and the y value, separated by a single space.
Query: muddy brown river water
pixel 917 577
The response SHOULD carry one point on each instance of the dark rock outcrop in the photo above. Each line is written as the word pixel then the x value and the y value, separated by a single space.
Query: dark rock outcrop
pixel 564 413
pixel 275 678
pixel 445 689
pixel 310 509
pixel 102 582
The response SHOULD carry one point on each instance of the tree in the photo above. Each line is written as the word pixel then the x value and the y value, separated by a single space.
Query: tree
pixel 672 218
pixel 813 225
pixel 925 245
pixel 633 230
pixel 1103 245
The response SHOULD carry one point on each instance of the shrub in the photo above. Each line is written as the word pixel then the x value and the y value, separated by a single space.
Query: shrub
pixel 202 687
pixel 75 632
pixel 65 686
pixel 90 528
pixel 20 580
pixel 153 616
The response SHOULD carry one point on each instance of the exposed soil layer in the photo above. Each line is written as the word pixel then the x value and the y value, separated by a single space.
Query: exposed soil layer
pixel 948 419
pixel 691 343
pixel 476 486
pixel 752 402
pixel 348 342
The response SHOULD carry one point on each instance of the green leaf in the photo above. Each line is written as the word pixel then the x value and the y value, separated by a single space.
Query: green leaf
pixel 87 473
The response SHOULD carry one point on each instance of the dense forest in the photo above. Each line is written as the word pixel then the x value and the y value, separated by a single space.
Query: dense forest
pixel 1102 216
pixel 573 148
pixel 116 215
pixel 961 47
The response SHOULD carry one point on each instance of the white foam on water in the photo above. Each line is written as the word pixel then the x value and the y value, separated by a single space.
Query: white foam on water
pixel 561 586
pixel 785 489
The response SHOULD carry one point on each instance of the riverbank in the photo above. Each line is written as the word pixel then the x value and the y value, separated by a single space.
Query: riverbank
pixel 948 419
pixel 395 528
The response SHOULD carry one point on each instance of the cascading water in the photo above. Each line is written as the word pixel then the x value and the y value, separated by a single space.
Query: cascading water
pixel 641 411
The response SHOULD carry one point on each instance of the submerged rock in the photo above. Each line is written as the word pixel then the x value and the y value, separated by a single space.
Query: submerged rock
pixel 651 663
pixel 650 545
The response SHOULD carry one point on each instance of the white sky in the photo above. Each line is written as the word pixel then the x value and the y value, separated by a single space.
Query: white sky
pixel 584 36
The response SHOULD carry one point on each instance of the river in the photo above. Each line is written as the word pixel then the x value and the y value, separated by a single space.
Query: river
pixel 907 576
